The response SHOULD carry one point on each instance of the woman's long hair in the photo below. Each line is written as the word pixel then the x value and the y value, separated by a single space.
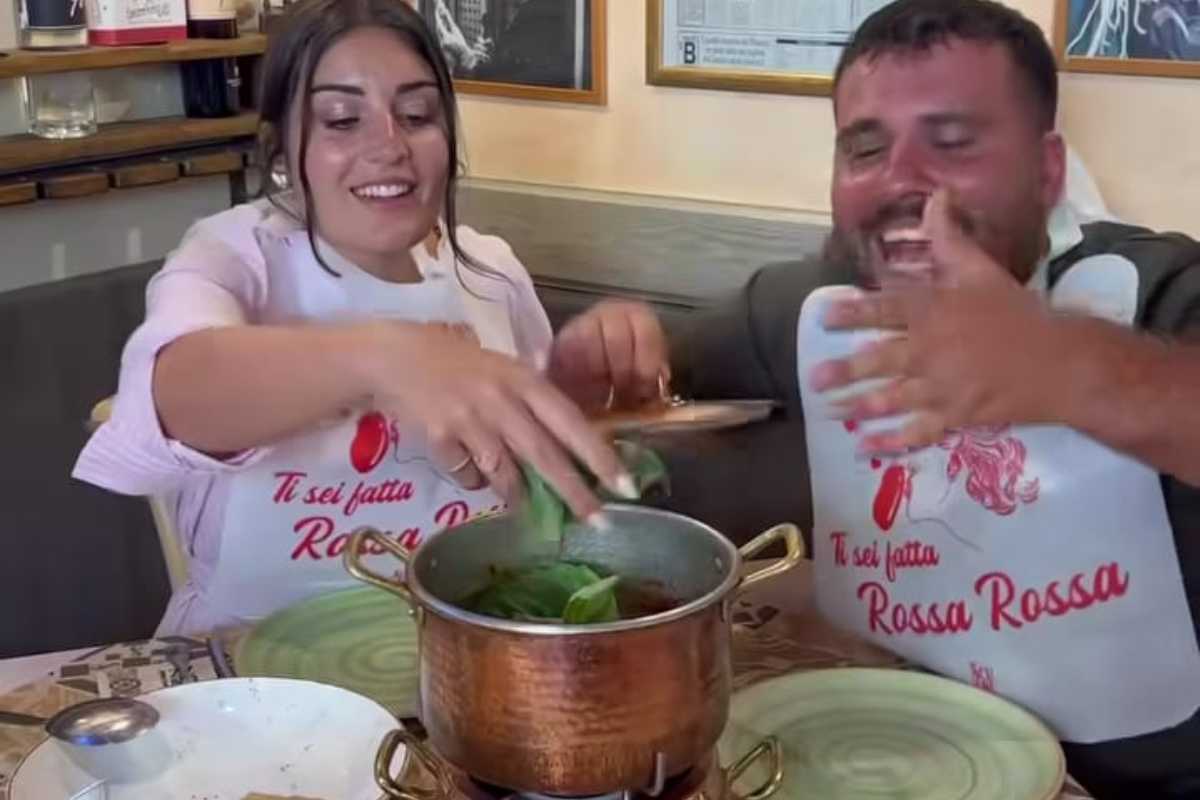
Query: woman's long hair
pixel 308 30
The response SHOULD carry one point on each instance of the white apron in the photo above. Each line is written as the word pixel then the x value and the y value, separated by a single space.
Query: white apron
pixel 288 516
pixel 1031 561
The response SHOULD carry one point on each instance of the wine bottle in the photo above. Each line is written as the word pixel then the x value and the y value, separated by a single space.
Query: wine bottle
pixel 211 88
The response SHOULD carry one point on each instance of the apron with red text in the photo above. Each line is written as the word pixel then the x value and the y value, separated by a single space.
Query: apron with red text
pixel 289 516
pixel 1031 561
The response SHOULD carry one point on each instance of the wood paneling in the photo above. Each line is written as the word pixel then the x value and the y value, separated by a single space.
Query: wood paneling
pixel 149 174
pixel 15 63
pixel 12 194
pixel 80 184
pixel 26 152
pixel 664 254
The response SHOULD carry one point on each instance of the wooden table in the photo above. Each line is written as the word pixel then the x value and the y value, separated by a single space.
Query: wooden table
pixel 776 630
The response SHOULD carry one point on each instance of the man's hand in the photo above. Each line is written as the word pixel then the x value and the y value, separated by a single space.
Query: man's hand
pixel 613 355
pixel 977 349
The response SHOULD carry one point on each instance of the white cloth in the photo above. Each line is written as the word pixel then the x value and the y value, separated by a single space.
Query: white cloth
pixel 1081 193
pixel 1029 560
pixel 289 515
pixel 248 554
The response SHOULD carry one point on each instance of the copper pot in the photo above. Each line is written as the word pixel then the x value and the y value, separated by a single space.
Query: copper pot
pixel 577 710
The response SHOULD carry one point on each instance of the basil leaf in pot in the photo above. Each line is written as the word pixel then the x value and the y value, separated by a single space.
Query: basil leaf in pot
pixel 595 602
pixel 562 592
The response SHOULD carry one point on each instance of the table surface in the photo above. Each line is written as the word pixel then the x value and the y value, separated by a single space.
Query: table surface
pixel 776 630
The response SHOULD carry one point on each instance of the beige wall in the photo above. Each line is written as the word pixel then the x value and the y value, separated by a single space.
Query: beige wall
pixel 1140 137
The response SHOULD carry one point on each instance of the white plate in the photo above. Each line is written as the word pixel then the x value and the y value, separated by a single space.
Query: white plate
pixel 233 737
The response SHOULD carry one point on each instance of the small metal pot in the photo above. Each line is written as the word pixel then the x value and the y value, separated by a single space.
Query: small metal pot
pixel 577 710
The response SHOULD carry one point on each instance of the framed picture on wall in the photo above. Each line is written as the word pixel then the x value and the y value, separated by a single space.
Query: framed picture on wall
pixel 780 47
pixel 530 49
pixel 1129 37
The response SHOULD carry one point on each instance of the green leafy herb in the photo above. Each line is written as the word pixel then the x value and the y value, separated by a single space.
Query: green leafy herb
pixel 562 591
pixel 543 593
pixel 593 603
pixel 645 465
pixel 546 515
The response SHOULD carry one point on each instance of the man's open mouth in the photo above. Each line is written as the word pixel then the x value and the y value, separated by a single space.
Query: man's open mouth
pixel 904 250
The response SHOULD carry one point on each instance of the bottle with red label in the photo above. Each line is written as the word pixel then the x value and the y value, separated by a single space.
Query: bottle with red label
pixel 136 22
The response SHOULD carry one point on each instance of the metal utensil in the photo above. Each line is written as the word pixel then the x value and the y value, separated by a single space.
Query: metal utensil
pixel 111 739
pixel 109 720
pixel 673 413
pixel 684 416
pixel 86 711
pixel 14 718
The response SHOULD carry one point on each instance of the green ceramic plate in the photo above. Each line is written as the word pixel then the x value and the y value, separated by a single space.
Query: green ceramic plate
pixel 879 733
pixel 358 639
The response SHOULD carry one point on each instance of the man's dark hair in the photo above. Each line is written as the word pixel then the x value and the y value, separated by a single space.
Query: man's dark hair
pixel 916 26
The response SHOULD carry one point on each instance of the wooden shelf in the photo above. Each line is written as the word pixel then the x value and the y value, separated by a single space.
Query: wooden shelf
pixel 15 63
pixel 25 152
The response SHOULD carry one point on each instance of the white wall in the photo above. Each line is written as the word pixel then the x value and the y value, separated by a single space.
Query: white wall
pixel 8 25
pixel 55 239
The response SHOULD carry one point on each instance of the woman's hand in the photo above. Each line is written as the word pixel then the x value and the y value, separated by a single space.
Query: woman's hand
pixel 613 355
pixel 484 414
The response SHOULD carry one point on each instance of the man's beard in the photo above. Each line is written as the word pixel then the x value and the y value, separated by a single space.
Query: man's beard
pixel 849 256
pixel 1016 247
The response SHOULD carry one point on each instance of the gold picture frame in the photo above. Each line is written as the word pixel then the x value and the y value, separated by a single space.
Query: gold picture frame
pixel 595 44
pixel 733 80
pixel 1076 20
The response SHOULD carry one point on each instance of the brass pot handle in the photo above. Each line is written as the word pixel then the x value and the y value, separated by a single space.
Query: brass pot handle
pixel 352 560
pixel 767 747
pixel 391 785
pixel 790 535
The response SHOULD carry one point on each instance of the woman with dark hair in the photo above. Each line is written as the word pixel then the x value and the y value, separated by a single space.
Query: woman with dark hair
pixel 341 352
